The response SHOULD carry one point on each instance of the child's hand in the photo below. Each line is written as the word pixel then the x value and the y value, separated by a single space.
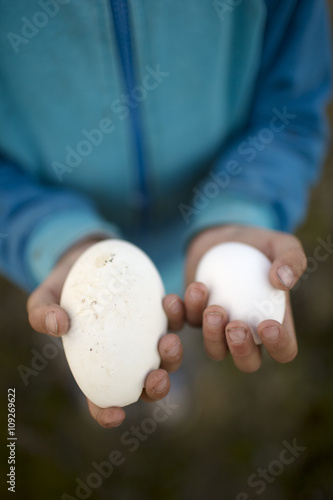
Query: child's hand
pixel 288 264
pixel 46 316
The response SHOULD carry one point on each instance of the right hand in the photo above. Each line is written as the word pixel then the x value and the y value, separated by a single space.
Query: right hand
pixel 221 335
pixel 46 316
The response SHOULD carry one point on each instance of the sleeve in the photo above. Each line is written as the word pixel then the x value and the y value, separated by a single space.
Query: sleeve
pixel 266 172
pixel 38 223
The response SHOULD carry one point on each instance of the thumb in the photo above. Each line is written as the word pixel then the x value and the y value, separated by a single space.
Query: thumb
pixel 44 311
pixel 289 264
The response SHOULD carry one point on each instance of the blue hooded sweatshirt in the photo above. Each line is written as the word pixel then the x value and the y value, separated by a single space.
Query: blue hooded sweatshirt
pixel 151 120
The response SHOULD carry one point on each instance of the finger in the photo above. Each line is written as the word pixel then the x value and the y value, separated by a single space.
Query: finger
pixel 196 297
pixel 175 310
pixel 215 320
pixel 289 264
pixel 157 385
pixel 106 417
pixel 171 352
pixel 245 353
pixel 288 321
pixel 45 313
pixel 280 340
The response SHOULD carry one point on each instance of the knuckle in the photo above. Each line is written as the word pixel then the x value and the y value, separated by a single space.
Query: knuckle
pixel 293 241
pixel 299 257
pixel 216 352
pixel 214 337
pixel 303 262
pixel 241 351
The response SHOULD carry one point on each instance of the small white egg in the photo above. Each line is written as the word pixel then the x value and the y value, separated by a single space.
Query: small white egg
pixel 237 278
pixel 113 296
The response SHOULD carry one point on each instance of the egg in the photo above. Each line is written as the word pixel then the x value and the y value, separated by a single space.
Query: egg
pixel 113 296
pixel 237 278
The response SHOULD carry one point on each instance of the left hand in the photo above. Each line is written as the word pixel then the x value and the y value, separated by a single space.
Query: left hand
pixel 45 302
pixel 220 336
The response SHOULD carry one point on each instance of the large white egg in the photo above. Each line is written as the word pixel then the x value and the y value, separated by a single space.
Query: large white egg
pixel 113 295
pixel 237 278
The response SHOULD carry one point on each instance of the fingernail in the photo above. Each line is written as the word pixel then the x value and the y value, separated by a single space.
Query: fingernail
pixel 214 319
pixel 51 323
pixel 175 306
pixel 196 294
pixel 162 385
pixel 286 276
pixel 237 335
pixel 173 350
pixel 270 333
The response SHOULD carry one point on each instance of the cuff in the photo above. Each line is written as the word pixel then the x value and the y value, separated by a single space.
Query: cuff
pixel 233 209
pixel 56 233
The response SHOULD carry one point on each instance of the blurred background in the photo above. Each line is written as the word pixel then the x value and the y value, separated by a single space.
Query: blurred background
pixel 222 434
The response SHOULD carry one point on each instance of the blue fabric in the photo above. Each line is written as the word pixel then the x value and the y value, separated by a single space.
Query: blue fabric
pixel 292 88
pixel 232 112
pixel 123 35
pixel 28 208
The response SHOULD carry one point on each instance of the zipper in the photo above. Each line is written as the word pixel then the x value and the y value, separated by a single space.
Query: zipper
pixel 123 36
